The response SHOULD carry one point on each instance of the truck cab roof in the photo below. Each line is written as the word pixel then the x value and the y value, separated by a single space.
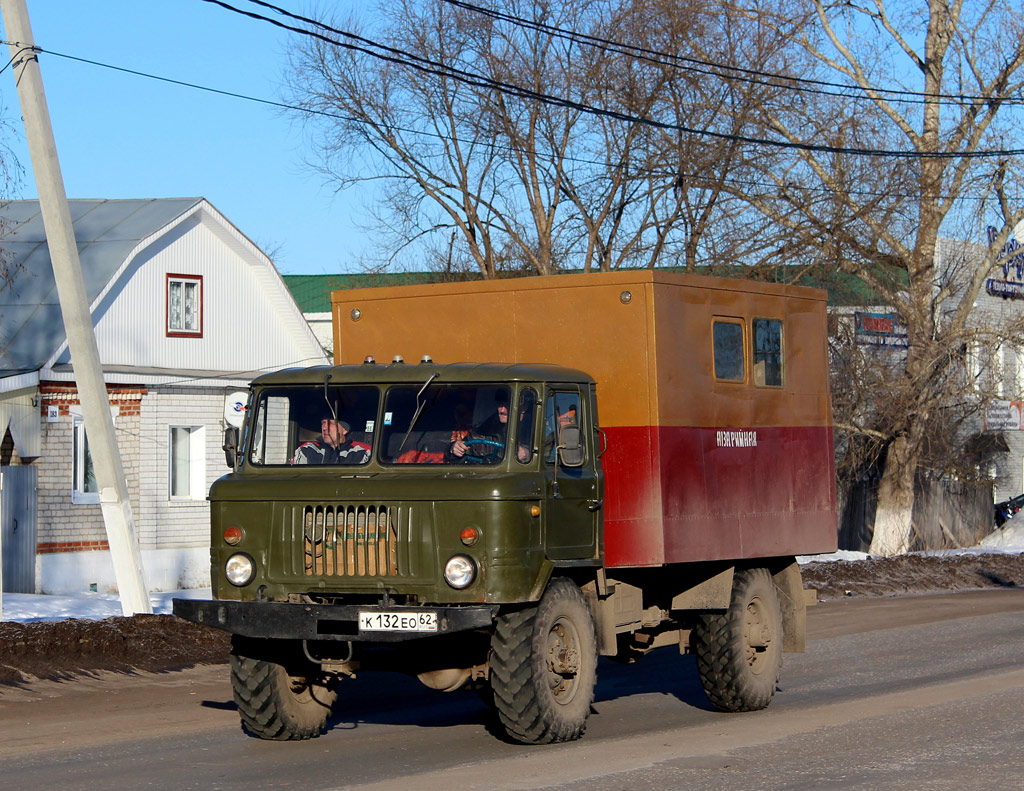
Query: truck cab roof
pixel 420 372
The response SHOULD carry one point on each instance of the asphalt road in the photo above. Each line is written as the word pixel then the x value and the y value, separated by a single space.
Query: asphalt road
pixel 908 693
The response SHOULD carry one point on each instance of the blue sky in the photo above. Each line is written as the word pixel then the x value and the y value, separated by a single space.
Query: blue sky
pixel 123 136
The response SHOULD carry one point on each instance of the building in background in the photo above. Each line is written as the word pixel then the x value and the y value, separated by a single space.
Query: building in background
pixel 994 359
pixel 186 311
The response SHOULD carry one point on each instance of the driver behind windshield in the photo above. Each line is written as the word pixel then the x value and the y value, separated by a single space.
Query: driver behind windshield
pixel 487 440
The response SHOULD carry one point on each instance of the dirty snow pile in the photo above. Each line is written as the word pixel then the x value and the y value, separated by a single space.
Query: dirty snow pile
pixel 1008 538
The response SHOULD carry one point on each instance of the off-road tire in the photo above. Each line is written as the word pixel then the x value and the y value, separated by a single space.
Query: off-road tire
pixel 739 652
pixel 544 667
pixel 275 703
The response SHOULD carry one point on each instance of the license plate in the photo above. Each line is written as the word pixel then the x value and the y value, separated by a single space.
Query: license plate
pixel 398 622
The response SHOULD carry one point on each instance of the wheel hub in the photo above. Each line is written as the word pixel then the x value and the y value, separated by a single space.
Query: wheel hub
pixel 757 634
pixel 563 660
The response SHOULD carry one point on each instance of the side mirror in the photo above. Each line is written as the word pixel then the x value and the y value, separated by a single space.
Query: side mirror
pixel 570 446
pixel 230 446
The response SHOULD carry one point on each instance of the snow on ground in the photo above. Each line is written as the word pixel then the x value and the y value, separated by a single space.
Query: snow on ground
pixel 96 606
pixel 1009 539
pixel 842 554
pixel 93 606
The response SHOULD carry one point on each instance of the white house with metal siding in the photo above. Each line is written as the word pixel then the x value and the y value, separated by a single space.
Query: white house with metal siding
pixel 186 311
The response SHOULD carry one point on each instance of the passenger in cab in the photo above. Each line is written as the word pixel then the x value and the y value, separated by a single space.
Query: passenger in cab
pixel 333 446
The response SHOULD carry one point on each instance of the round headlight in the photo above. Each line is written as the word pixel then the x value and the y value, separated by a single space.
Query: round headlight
pixel 460 571
pixel 240 569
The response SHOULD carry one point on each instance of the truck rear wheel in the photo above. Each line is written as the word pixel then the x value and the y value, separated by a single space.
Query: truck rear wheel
pixel 279 702
pixel 739 652
pixel 544 667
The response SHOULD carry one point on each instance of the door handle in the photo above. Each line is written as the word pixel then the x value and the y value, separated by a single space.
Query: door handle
pixel 595 505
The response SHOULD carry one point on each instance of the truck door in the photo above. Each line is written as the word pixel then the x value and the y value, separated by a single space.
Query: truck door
pixel 572 511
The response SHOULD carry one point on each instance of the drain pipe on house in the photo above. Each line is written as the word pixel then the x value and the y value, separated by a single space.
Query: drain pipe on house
pixel 74 306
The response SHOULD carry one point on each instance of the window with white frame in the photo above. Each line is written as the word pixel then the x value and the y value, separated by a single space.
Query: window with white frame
pixel 84 488
pixel 973 365
pixel 1018 372
pixel 999 368
pixel 184 306
pixel 186 463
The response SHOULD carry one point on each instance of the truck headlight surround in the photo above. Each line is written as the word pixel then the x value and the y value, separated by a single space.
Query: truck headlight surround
pixel 460 571
pixel 240 569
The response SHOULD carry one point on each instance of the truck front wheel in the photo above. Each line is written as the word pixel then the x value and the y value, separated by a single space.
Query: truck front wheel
pixel 279 701
pixel 739 652
pixel 544 667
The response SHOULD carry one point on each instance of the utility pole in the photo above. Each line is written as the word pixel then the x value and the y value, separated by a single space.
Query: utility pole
pixel 74 306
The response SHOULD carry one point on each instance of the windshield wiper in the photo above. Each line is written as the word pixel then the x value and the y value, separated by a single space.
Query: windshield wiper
pixel 419 410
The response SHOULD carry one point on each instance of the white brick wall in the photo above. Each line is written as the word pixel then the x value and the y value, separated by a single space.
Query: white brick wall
pixel 143 439
pixel 165 523
pixel 59 520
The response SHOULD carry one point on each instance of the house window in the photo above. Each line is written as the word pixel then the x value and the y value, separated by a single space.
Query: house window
pixel 1018 372
pixel 973 365
pixel 184 306
pixel 999 368
pixel 187 463
pixel 84 488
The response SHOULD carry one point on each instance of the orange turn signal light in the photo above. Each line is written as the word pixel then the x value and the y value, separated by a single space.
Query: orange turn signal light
pixel 469 536
pixel 232 535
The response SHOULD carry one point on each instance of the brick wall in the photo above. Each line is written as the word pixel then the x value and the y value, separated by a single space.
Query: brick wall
pixel 142 423
pixel 71 542
pixel 166 522
pixel 62 525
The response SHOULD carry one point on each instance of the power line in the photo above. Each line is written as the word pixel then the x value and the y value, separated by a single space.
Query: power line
pixel 713 68
pixel 424 65
pixel 437 135
pixel 185 84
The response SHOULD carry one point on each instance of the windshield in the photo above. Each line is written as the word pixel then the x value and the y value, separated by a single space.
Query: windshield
pixel 314 425
pixel 454 424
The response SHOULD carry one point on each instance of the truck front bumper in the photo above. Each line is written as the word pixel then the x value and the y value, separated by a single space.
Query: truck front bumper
pixel 282 621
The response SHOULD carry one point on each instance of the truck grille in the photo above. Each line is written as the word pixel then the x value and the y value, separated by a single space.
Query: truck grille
pixel 349 541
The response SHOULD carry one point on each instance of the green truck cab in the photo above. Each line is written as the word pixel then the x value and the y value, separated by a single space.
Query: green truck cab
pixel 410 517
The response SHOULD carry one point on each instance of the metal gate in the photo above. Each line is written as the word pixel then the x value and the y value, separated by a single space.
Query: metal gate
pixel 18 523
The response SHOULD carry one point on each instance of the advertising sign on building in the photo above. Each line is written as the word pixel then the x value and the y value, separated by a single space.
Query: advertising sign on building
pixel 1003 416
pixel 1012 256
pixel 880 329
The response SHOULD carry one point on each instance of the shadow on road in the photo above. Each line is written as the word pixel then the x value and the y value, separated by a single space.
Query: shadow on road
pixel 395 699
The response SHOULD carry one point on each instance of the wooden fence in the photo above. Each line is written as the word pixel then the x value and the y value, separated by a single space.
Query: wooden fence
pixel 947 514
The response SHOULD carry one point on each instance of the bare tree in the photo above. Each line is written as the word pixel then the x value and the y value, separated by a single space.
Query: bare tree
pixel 11 175
pixel 941 84
pixel 523 137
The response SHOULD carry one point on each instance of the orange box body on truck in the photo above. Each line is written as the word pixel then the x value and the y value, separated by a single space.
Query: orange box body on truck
pixel 713 395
